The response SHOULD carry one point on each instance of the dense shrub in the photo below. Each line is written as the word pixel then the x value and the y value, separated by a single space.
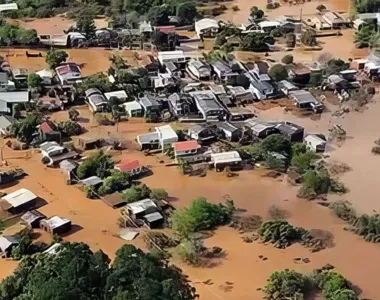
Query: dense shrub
pixel 277 143
pixel 278 72
pixel 287 284
pixel 343 210
pixel 287 59
pixel 303 162
pixel 98 164
pixel 201 215
pixel 136 192
pixel 280 233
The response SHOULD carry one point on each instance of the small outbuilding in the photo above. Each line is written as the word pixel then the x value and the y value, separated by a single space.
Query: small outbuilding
pixel 315 143
pixel 154 220
pixel 92 181
pixel 7 243
pixel 293 132
pixel 56 225
pixel 229 131
pixel 114 200
pixel 133 108
pixel 18 201
pixel 224 159
pixel 33 218
pixel 139 209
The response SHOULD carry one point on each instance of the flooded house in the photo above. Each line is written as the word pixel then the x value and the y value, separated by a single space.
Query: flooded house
pixel 206 28
pixel 56 225
pixel 33 218
pixel 261 89
pixel 7 243
pixel 47 133
pixel 94 181
pixel 5 83
pixel 147 211
pixel 230 159
pixel 240 94
pixel 208 106
pixel 132 167
pixel 286 87
pixel 68 73
pixel 299 73
pixel 121 95
pixel 260 129
pixel 18 201
pixel 223 71
pixel 162 138
pixel 96 100
pixel 304 100
pixel 221 94
pixel 5 123
pixel 315 143
pixel 229 131
pixel 293 132
pixel 177 57
pixel 202 133
pixel 133 109
pixel 188 151
pixel 180 104
pixel 198 69
pixel 150 104
pixel 238 114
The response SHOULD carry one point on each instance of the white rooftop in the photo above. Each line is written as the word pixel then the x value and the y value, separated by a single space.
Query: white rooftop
pixel 205 24
pixel 118 94
pixel 19 197
pixel 141 206
pixel 314 139
pixel 132 105
pixel 226 157
pixel 55 222
pixel 166 132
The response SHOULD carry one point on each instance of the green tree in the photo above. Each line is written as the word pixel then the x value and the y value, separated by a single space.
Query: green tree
pixel 298 148
pixel 190 250
pixel 136 192
pixel 279 232
pixel 25 128
pixel 367 6
pixel 278 72
pixel 158 15
pixel 34 80
pixel 69 128
pixel 287 284
pixel 55 57
pixel 308 38
pixel 186 12
pixel 332 284
pixel 98 164
pixel 303 161
pixel 287 59
pixel 86 25
pixel 256 42
pixel 277 143
pixel 97 80
pixel 116 182
pixel 315 183
pixel 334 66
pixel 91 192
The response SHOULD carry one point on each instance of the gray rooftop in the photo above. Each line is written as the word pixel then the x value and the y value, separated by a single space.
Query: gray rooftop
pixel 148 101
pixel 15 97
pixel 303 97
pixel 207 101
pixel 6 121
pixel 31 216
pixel 7 241
pixel 153 217
pixel 225 69
pixel 93 180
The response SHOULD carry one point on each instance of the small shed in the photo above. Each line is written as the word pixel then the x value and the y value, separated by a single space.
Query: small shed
pixel 114 200
pixel 7 243
pixel 68 165
pixel 92 181
pixel 18 201
pixel 229 131
pixel 33 218
pixel 56 225
pixel 221 160
pixel 139 209
pixel 315 142
pixel 154 220
pixel 201 133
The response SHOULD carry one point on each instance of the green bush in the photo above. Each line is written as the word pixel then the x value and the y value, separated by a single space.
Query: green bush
pixel 332 284
pixel 303 161
pixel 136 193
pixel 287 59
pixel 116 182
pixel 98 164
pixel 343 210
pixel 314 184
pixel 280 233
pixel 277 143
pixel 91 192
pixel 287 284
pixel 190 250
pixel 201 215
pixel 278 72
pixel 55 57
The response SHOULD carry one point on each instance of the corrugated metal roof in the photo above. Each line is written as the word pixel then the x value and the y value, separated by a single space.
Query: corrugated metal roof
pixel 186 145
pixel 14 97
pixel 7 241
pixel 56 222
pixel 19 197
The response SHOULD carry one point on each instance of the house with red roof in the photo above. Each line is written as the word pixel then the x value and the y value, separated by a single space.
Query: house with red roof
pixel 48 132
pixel 189 151
pixel 132 167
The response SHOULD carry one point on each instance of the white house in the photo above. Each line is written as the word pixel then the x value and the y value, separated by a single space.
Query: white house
pixel 121 95
pixel 206 27
pixel 96 101
pixel 177 57
pixel 167 136
pixel 51 149
pixel 223 159
pixel 315 143
pixel 133 108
